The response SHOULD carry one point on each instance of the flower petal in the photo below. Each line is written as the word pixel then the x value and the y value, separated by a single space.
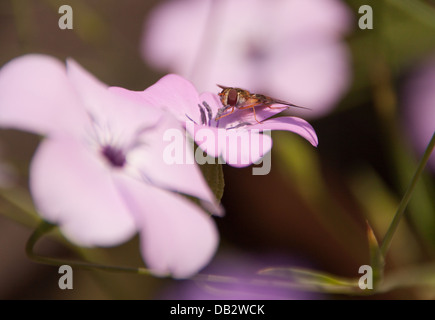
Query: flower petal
pixel 174 20
pixel 73 188
pixel 36 96
pixel 293 124
pixel 177 237
pixel 123 116
pixel 207 138
pixel 235 147
pixel 314 76
pixel 170 164
pixel 173 93
pixel 244 147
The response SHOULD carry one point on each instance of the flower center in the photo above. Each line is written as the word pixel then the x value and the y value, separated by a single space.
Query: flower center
pixel 256 53
pixel 115 156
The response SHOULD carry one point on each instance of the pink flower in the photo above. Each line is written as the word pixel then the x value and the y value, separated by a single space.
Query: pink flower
pixel 99 173
pixel 291 49
pixel 419 107
pixel 220 138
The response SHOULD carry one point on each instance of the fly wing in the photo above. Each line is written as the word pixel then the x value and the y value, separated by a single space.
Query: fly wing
pixel 222 87
pixel 270 101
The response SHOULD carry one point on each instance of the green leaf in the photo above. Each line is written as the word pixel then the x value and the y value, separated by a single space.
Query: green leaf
pixel 17 205
pixel 406 197
pixel 214 176
pixel 376 258
pixel 313 280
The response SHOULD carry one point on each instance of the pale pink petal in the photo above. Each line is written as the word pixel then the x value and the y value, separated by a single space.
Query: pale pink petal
pixel 293 124
pixel 73 188
pixel 242 147
pixel 259 145
pixel 119 114
pixel 36 96
pixel 238 148
pixel 177 238
pixel 314 76
pixel 173 93
pixel 166 160
pixel 327 18
pixel 173 34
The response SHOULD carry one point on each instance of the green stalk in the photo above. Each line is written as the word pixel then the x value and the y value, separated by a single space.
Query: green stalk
pixel 45 227
pixel 404 202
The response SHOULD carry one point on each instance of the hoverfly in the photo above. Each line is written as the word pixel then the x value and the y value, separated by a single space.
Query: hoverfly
pixel 240 99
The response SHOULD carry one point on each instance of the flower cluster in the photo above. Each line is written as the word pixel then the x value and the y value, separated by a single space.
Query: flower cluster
pixel 99 173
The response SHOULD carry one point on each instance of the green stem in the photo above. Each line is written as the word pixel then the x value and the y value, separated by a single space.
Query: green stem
pixel 404 202
pixel 20 212
pixel 45 227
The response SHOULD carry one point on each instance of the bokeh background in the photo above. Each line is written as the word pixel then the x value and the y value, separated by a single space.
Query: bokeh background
pixel 311 209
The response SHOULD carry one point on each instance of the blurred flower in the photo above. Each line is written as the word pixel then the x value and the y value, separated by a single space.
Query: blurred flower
pixel 289 49
pixel 220 138
pixel 419 107
pixel 235 277
pixel 99 173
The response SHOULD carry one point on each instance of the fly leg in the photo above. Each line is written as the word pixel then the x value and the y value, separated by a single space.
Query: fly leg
pixel 218 116
pixel 253 109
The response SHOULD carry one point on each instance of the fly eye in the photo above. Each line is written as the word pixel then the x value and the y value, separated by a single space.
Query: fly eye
pixel 232 97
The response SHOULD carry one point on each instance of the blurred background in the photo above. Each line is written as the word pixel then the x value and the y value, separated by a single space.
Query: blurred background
pixel 372 95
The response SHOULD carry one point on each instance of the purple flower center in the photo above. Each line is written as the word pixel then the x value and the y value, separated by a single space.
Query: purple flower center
pixel 115 156
pixel 256 53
